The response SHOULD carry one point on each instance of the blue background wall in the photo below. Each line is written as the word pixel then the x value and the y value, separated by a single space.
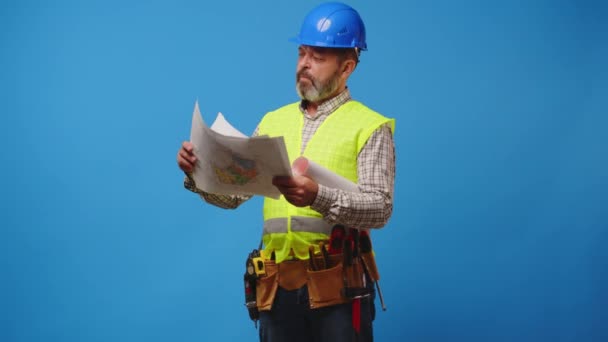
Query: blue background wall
pixel 500 221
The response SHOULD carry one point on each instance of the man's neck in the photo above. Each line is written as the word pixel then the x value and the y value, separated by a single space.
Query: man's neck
pixel 311 107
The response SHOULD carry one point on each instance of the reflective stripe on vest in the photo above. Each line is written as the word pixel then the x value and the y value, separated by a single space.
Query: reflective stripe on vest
pixel 298 224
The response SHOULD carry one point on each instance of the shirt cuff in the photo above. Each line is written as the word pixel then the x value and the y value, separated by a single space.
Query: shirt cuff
pixel 324 200
pixel 189 184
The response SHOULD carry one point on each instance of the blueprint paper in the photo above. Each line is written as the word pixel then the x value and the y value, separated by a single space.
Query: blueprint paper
pixel 229 163
pixel 222 126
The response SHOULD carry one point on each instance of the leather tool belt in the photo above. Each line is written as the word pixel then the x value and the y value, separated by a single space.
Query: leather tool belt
pixel 331 279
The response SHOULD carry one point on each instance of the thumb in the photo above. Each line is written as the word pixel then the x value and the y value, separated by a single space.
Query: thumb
pixel 300 166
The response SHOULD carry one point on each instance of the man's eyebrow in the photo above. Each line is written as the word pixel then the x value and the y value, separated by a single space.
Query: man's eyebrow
pixel 321 50
pixel 314 49
pixel 317 51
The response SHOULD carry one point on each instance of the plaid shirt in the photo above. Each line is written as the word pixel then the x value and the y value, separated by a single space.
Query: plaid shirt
pixel 372 207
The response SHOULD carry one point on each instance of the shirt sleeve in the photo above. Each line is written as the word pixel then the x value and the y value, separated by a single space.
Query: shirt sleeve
pixel 222 201
pixel 373 206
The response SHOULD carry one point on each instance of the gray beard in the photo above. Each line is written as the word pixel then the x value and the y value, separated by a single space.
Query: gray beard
pixel 318 91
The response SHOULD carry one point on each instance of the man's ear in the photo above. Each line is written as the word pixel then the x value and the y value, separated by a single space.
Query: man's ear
pixel 348 66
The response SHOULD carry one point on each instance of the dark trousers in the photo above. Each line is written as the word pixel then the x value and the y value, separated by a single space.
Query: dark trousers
pixel 291 320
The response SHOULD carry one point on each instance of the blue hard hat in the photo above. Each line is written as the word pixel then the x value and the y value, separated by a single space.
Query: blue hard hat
pixel 334 25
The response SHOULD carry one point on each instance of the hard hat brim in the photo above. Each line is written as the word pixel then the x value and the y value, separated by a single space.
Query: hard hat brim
pixel 299 41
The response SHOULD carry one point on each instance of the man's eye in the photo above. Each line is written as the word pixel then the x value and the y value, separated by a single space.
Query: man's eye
pixel 318 58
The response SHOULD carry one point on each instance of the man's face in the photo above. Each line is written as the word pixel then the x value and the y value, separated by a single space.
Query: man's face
pixel 317 73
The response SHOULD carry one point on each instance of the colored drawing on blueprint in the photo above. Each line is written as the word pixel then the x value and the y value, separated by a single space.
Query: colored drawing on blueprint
pixel 241 171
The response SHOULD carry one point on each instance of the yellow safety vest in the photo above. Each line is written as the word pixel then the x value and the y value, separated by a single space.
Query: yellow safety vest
pixel 335 145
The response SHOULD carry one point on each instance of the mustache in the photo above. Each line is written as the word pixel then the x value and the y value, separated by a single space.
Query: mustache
pixel 304 73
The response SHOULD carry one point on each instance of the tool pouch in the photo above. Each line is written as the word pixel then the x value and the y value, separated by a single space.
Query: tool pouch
pixel 338 284
pixel 266 286
pixel 356 282
pixel 369 261
pixel 325 287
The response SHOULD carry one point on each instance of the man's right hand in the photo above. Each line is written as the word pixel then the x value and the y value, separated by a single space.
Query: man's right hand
pixel 185 157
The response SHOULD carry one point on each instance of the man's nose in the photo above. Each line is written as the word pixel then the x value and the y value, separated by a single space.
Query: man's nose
pixel 303 63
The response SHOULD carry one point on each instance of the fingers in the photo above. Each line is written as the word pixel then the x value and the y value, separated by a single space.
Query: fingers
pixel 297 201
pixel 185 157
pixel 294 196
pixel 288 187
pixel 284 181
pixel 185 164
pixel 188 146
pixel 291 192
pixel 298 190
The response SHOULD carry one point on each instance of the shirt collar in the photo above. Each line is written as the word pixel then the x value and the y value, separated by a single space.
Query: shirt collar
pixel 329 106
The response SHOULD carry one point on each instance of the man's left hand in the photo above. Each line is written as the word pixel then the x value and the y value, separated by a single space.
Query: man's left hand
pixel 300 191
